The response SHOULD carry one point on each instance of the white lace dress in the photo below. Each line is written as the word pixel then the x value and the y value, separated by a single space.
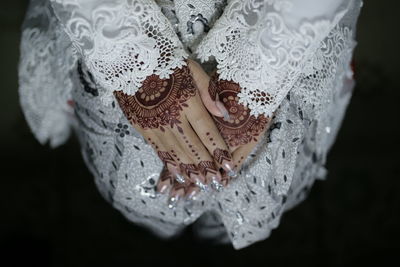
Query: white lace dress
pixel 75 53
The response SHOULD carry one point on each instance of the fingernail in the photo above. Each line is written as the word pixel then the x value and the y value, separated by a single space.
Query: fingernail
pixel 192 195
pixel 228 165
pixel 173 201
pixel 163 189
pixel 231 172
pixel 223 110
pixel 179 178
pixel 203 187
pixel 216 185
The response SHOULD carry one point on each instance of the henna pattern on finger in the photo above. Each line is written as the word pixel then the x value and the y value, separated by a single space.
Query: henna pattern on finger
pixel 209 170
pixel 225 179
pixel 213 88
pixel 166 176
pixel 221 155
pixel 188 190
pixel 166 179
pixel 242 128
pixel 207 167
pixel 166 158
pixel 171 163
pixel 224 158
pixel 176 186
pixel 193 173
pixel 189 169
pixel 159 102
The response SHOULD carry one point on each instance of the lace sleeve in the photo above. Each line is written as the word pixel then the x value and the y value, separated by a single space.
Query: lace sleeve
pixel 264 45
pixel 44 82
pixel 121 41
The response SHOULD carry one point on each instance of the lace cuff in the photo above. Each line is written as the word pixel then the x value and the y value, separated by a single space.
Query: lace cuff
pixel 264 47
pixel 121 41
pixel 44 82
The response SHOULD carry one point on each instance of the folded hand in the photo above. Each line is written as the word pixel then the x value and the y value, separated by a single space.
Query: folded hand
pixel 170 115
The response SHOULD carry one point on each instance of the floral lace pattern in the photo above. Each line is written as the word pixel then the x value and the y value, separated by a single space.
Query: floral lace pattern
pixel 255 47
pixel 122 42
pixel 44 84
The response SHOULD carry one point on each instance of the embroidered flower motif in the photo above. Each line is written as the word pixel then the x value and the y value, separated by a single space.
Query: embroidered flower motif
pixel 122 129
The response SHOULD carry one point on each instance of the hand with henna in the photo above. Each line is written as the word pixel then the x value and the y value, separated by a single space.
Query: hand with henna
pixel 186 190
pixel 241 131
pixel 170 115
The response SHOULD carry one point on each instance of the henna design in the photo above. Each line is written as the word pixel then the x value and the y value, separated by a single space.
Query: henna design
pixel 176 186
pixel 220 155
pixel 207 167
pixel 165 181
pixel 189 169
pixel 211 139
pixel 166 176
pixel 166 158
pixel 153 144
pixel 213 88
pixel 225 179
pixel 158 102
pixel 242 128
pixel 187 187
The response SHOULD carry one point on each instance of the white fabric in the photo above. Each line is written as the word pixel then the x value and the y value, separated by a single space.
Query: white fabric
pixel 300 59
pixel 120 41
pixel 44 82
pixel 264 46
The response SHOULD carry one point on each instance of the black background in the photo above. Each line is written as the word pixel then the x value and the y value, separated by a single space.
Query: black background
pixel 51 213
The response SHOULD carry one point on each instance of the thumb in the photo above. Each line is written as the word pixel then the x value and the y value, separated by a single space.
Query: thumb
pixel 208 91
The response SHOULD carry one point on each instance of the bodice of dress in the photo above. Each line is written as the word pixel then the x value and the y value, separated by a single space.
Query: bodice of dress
pixel 296 55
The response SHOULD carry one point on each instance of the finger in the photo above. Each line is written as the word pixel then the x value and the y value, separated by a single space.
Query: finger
pixel 239 157
pixel 165 155
pixel 213 176
pixel 179 160
pixel 241 154
pixel 174 155
pixel 186 163
pixel 177 192
pixel 165 181
pixel 210 137
pixel 191 192
pixel 209 98
pixel 225 178
pixel 200 167
pixel 201 158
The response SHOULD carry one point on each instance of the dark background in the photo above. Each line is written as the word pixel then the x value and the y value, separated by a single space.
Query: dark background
pixel 52 214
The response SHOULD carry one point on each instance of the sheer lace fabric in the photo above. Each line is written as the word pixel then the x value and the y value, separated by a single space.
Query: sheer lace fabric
pixel 44 82
pixel 262 46
pixel 121 42
pixel 310 87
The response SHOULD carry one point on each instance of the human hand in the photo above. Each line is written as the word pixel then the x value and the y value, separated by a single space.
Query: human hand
pixel 177 191
pixel 241 131
pixel 170 115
